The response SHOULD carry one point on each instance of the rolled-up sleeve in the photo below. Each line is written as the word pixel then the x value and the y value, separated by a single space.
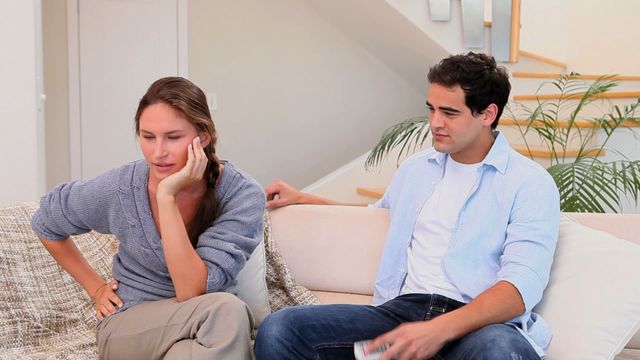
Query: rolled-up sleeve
pixel 531 238
pixel 76 207
pixel 227 244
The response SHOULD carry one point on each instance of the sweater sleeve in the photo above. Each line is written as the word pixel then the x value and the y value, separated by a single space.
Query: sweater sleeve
pixel 227 244
pixel 76 207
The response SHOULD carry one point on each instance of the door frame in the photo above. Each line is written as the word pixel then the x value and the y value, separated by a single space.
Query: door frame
pixel 73 56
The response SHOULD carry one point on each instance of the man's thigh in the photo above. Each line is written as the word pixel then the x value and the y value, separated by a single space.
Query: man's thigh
pixel 492 342
pixel 329 331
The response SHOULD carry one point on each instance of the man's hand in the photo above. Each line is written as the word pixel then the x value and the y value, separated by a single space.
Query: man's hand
pixel 190 174
pixel 287 195
pixel 413 341
pixel 107 302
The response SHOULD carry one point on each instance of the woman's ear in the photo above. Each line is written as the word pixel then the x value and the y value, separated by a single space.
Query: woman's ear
pixel 205 139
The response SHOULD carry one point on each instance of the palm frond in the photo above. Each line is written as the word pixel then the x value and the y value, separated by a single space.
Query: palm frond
pixel 410 134
pixel 585 183
pixel 590 185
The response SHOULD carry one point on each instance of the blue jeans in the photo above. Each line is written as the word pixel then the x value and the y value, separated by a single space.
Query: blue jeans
pixel 329 331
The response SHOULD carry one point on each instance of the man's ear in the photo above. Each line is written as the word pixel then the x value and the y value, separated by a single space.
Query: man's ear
pixel 490 114
pixel 205 139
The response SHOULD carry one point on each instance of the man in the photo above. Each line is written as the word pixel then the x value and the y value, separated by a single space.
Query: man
pixel 471 240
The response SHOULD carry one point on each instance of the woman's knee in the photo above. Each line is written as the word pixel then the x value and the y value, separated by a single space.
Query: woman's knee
pixel 221 305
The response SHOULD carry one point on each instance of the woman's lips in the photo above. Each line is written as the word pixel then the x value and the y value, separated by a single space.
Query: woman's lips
pixel 163 167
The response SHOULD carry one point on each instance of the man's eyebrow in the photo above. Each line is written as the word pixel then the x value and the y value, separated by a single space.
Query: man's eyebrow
pixel 444 108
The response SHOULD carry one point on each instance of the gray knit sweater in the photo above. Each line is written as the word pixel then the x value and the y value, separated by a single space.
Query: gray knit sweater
pixel 117 202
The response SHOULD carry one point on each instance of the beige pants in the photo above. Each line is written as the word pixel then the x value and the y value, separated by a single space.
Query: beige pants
pixel 210 326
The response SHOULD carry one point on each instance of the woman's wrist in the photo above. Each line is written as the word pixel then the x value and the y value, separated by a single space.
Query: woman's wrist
pixel 163 195
pixel 95 292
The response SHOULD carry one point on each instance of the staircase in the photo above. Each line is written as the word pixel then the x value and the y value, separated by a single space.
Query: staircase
pixel 531 78
pixel 531 88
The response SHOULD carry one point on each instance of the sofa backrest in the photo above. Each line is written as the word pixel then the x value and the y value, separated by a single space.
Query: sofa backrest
pixel 331 248
pixel 623 226
pixel 338 248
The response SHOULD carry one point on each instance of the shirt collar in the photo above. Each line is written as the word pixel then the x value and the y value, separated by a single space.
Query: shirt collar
pixel 498 155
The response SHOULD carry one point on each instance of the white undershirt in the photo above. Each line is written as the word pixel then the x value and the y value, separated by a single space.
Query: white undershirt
pixel 433 230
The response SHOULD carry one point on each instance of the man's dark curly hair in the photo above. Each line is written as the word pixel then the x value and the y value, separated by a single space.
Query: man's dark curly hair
pixel 482 81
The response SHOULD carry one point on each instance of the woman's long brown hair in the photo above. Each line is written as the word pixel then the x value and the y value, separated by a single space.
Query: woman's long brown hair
pixel 190 101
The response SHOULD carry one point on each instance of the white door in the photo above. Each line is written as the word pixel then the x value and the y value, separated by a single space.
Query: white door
pixel 123 46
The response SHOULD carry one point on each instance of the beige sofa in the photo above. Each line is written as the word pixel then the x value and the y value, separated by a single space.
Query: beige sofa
pixel 592 302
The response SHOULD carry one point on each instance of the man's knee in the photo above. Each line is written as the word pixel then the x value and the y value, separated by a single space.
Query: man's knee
pixel 279 325
pixel 502 342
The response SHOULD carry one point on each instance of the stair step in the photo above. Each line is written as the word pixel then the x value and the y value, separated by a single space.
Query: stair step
pixel 535 75
pixel 545 153
pixel 372 192
pixel 531 85
pixel 565 123
pixel 608 95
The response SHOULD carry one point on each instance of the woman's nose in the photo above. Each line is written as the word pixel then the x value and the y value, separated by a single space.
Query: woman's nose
pixel 159 149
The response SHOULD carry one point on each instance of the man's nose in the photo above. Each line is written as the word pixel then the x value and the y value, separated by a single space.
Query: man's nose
pixel 435 120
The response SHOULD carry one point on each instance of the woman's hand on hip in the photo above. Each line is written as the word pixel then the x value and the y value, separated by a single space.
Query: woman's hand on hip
pixel 190 174
pixel 107 302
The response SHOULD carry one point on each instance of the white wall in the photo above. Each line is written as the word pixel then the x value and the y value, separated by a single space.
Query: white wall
pixel 545 27
pixel 605 37
pixel 18 108
pixel 591 36
pixel 297 97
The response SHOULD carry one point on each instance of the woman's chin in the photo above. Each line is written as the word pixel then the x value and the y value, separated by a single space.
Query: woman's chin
pixel 161 172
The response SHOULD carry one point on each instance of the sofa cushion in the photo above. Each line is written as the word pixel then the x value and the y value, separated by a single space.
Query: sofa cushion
pixel 251 286
pixel 322 244
pixel 628 354
pixel 328 297
pixel 624 226
pixel 592 303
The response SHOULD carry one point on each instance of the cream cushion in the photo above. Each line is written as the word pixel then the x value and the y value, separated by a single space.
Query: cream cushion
pixel 592 303
pixel 252 285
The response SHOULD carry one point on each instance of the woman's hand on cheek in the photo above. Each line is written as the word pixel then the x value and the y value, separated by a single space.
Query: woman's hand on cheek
pixel 189 175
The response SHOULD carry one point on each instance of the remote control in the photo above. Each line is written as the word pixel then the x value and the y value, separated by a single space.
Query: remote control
pixel 359 350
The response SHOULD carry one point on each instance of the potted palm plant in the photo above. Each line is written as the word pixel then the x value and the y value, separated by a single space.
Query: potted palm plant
pixel 586 182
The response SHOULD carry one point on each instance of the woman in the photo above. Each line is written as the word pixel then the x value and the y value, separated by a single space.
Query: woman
pixel 186 222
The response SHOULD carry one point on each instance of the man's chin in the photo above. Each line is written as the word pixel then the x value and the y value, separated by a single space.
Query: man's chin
pixel 441 148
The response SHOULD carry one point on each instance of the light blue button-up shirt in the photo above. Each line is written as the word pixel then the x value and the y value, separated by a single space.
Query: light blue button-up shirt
pixel 507 229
